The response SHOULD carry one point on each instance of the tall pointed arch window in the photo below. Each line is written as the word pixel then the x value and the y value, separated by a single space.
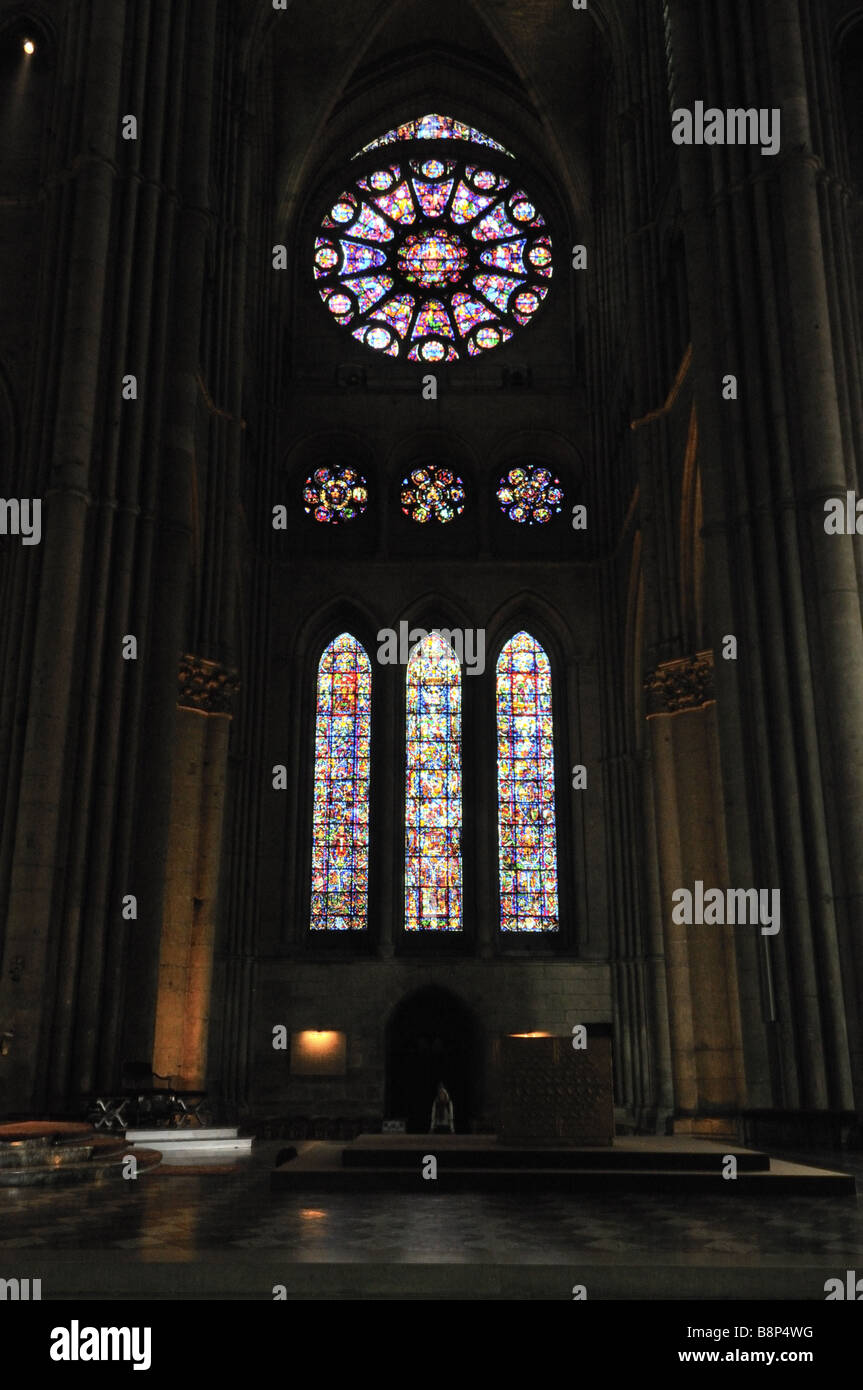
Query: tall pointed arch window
pixel 525 781
pixel 433 800
pixel 340 844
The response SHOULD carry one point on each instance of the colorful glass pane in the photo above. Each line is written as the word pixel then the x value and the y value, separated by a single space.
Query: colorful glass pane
pixel 381 339
pixel 382 179
pixel 488 337
pixel 378 338
pixel 433 196
pixel 466 205
pixel 371 227
pixel 507 255
pixel 356 258
pixel 527 303
pixel 495 224
pixel 340 839
pixel 398 205
pixel 522 208
pixel 344 210
pixel 338 304
pixel 525 780
pixel 326 257
pixel 433 258
pixel 433 351
pixel 432 494
pixel 496 288
pixel 433 802
pixel 469 312
pixel 432 318
pixel 335 494
pixel 485 179
pixel 433 127
pixel 530 495
pixel 397 312
pixel 539 257
pixel 369 289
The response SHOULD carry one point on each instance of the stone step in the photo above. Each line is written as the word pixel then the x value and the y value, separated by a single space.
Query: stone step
pixel 192 1146
pixel 106 1159
pixel 319 1166
pixel 455 1151
pixel 160 1138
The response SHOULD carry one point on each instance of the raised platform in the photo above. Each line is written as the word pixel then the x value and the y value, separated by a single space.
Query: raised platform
pixel 676 1164
pixel 37 1153
pixel 199 1145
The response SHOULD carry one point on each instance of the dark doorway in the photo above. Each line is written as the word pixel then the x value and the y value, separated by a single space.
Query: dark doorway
pixel 431 1037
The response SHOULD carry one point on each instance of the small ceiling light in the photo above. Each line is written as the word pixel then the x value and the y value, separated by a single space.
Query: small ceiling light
pixel 29 47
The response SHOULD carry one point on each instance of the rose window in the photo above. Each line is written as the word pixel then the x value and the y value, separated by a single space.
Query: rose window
pixel 433 259
pixel 530 495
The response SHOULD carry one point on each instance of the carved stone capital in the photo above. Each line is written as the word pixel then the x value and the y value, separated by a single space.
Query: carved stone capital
pixel 683 684
pixel 206 686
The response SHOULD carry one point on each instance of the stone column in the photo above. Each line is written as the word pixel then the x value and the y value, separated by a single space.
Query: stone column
pixel 192 874
pixel 169 604
pixel 757 240
pixel 27 995
pixel 702 978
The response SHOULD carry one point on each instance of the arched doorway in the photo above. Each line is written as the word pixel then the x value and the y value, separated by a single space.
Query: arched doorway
pixel 431 1037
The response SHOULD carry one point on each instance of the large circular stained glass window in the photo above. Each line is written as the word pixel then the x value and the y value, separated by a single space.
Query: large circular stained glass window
pixel 433 259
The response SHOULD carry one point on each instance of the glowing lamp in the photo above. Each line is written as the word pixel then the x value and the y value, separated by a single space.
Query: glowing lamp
pixel 29 47
pixel 318 1052
pixel 530 1035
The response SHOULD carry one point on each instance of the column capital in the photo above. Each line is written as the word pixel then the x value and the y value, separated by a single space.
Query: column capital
pixel 206 686
pixel 686 683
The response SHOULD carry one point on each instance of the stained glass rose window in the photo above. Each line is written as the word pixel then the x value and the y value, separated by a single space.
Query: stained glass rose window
pixel 433 257
pixel 335 494
pixel 432 494
pixel 530 494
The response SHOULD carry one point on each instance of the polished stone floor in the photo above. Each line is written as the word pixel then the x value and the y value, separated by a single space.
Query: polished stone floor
pixel 224 1234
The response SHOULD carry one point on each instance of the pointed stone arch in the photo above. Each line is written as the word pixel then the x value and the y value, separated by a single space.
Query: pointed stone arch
pixel 432 1035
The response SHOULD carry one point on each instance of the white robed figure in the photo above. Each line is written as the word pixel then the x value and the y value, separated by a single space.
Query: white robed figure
pixel 442 1114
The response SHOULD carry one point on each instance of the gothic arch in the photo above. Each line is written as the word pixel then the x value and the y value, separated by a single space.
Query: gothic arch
pixel 547 446
pixel 531 611
pixel 440 445
pixel 321 447
pixel 432 1027
pixel 434 609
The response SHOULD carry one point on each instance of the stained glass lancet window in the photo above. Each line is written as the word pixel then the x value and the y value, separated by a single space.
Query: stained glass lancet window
pixel 525 781
pixel 433 875
pixel 340 844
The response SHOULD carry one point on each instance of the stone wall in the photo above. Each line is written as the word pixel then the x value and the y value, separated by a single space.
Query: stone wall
pixel 358 997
